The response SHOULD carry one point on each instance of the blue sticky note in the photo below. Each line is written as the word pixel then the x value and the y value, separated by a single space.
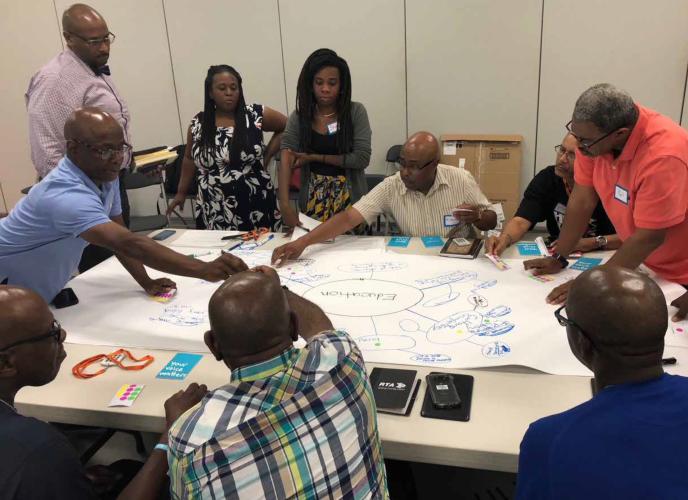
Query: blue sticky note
pixel 527 248
pixel 399 241
pixel 585 263
pixel 432 241
pixel 179 366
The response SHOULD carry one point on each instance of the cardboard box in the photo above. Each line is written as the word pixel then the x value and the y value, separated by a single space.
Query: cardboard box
pixel 493 160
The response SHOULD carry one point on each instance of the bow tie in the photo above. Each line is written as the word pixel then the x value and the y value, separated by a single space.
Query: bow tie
pixel 103 70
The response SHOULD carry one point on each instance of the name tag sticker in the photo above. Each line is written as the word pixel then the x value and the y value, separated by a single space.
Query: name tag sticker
pixel 621 194
pixel 450 221
pixel 332 128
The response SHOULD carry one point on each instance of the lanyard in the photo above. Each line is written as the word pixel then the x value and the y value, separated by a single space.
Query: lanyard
pixel 114 358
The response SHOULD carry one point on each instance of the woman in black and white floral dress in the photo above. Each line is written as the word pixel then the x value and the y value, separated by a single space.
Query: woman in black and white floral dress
pixel 225 151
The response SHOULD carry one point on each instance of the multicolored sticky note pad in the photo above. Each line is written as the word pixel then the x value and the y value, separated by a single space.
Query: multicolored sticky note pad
pixel 126 395
pixel 165 297
pixel 543 278
pixel 399 241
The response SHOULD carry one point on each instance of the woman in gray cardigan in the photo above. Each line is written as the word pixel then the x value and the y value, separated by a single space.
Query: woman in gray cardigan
pixel 328 138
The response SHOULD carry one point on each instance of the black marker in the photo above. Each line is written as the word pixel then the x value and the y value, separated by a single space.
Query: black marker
pixel 669 361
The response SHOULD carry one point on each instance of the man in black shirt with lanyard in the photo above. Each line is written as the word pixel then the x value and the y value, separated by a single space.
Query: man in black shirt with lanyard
pixel 545 199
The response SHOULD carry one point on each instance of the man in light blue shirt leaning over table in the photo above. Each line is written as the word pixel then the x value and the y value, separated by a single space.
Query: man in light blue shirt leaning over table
pixel 42 239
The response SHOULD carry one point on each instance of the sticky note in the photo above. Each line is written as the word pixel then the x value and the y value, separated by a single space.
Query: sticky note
pixel 528 248
pixel 179 366
pixel 499 263
pixel 543 278
pixel 164 297
pixel 432 241
pixel 399 241
pixel 585 263
pixel 126 395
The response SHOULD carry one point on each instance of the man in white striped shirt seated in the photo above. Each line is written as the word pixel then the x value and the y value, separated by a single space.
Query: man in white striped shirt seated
pixel 425 198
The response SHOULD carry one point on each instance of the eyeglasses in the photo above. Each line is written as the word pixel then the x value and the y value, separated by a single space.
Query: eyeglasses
pixel 95 42
pixel 401 163
pixel 108 153
pixel 588 143
pixel 561 150
pixel 55 332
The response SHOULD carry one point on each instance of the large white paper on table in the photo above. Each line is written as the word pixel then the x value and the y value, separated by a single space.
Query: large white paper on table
pixel 400 308
pixel 340 243
pixel 204 239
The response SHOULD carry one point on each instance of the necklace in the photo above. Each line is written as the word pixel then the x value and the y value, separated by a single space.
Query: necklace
pixel 9 405
pixel 326 116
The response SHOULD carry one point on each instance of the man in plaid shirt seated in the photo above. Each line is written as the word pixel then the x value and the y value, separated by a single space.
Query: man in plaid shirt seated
pixel 291 422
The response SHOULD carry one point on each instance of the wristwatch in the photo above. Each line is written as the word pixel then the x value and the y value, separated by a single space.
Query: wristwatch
pixel 601 242
pixel 562 260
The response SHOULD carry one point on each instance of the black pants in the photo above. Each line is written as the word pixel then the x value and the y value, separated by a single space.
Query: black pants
pixel 93 254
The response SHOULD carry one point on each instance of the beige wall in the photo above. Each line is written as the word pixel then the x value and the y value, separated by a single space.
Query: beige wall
pixel 19 60
pixel 464 66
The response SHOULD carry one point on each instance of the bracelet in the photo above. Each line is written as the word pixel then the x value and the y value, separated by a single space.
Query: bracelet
pixel 323 159
pixel 162 447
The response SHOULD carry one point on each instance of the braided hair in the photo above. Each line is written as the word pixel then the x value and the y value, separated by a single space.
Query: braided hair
pixel 306 104
pixel 207 117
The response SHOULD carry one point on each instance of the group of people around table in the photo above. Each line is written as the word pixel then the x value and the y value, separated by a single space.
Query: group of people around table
pixel 302 422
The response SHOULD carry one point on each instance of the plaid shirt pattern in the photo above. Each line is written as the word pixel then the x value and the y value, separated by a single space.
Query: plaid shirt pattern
pixel 300 425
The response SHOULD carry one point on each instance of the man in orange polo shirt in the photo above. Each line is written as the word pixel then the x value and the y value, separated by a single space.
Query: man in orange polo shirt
pixel 635 161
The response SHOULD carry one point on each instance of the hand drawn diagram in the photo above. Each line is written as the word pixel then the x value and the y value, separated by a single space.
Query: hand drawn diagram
pixel 399 308
pixel 398 313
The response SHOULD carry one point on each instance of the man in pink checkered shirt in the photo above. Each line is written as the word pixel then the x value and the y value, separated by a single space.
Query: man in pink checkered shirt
pixel 77 77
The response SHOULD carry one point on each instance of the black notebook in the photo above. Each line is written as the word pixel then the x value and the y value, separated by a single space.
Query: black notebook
pixel 462 248
pixel 394 390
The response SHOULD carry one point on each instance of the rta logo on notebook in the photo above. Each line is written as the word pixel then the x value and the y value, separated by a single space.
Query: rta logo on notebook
pixel 397 386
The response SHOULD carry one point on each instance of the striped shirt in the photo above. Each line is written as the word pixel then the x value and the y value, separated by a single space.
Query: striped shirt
pixel 419 214
pixel 300 425
pixel 55 91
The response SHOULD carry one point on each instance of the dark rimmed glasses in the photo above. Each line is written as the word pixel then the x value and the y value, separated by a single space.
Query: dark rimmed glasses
pixel 55 332
pixel 401 163
pixel 588 143
pixel 95 42
pixel 105 154
pixel 561 150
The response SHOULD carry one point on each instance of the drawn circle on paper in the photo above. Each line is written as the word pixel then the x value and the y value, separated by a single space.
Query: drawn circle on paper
pixel 409 325
pixel 361 297
pixel 385 342
pixel 182 315
pixel 455 328
pixel 372 267
pixel 431 359
pixel 495 350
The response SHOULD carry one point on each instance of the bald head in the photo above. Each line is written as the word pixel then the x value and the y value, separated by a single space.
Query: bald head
pixel 249 315
pixel 95 144
pixel 26 319
pixel 621 309
pixel 423 144
pixel 21 310
pixel 87 35
pixel 79 17
pixel 91 125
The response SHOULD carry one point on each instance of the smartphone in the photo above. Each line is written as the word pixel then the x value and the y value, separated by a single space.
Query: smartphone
pixel 443 392
pixel 65 298
pixel 163 235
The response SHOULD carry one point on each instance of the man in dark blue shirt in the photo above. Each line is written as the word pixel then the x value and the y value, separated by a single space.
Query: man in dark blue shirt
pixel 628 440
pixel 37 461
